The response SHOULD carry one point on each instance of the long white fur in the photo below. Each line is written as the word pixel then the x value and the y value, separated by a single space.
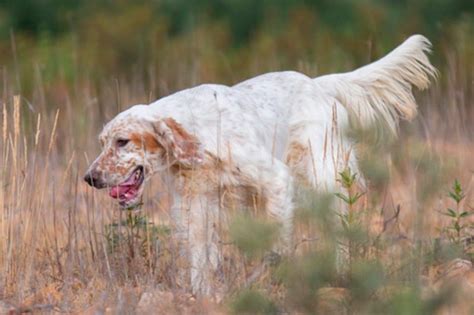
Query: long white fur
pixel 383 90
pixel 275 128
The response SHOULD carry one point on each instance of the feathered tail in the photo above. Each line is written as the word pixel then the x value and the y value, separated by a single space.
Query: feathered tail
pixel 382 90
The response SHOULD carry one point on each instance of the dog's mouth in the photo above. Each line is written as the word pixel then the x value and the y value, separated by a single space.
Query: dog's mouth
pixel 128 190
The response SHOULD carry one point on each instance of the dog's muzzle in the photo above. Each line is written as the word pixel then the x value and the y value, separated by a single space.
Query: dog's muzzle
pixel 93 178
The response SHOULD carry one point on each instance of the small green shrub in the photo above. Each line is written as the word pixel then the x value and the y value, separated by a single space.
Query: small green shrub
pixel 137 236
pixel 252 236
pixel 459 230
pixel 354 235
pixel 252 302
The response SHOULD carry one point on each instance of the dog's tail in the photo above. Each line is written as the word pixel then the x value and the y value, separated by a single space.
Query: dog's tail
pixel 382 90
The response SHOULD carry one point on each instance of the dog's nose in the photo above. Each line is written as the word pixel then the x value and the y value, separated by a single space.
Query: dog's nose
pixel 93 179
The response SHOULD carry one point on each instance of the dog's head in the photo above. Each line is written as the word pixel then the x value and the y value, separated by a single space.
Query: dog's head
pixel 135 145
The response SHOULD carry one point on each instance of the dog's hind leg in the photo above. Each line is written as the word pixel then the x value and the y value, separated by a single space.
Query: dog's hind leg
pixel 316 155
pixel 273 179
pixel 279 195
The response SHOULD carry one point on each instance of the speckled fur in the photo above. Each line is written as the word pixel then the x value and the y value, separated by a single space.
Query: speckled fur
pixel 256 137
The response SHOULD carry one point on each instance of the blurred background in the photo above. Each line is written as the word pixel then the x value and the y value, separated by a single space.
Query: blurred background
pixel 69 66
pixel 119 52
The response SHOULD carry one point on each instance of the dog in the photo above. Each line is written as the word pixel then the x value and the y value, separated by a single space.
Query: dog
pixel 260 137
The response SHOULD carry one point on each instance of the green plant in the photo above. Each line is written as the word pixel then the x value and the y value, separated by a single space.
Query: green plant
pixel 252 236
pixel 252 302
pixel 137 235
pixel 458 228
pixel 354 236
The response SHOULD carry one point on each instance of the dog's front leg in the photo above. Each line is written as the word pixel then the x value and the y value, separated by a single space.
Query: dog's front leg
pixel 179 219
pixel 203 240
pixel 195 221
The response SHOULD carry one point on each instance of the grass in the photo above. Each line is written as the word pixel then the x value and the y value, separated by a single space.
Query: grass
pixel 65 247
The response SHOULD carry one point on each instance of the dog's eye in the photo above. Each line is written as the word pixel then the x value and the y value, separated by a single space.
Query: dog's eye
pixel 122 142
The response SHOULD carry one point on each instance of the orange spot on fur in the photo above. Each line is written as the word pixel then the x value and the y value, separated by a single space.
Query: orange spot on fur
pixel 295 154
pixel 147 140
pixel 297 157
pixel 188 143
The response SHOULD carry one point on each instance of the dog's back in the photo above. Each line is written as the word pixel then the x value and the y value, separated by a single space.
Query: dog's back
pixel 316 112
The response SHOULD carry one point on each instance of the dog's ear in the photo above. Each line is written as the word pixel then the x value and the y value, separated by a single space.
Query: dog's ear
pixel 179 144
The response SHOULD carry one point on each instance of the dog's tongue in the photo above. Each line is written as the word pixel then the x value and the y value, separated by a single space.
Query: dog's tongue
pixel 121 190
pixel 117 191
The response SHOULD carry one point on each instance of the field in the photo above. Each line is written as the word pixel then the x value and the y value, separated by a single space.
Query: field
pixel 66 248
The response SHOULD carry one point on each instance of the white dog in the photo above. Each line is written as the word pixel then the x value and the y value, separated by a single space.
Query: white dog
pixel 222 145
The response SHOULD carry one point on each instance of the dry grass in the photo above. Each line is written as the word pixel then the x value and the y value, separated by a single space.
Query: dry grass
pixel 54 253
